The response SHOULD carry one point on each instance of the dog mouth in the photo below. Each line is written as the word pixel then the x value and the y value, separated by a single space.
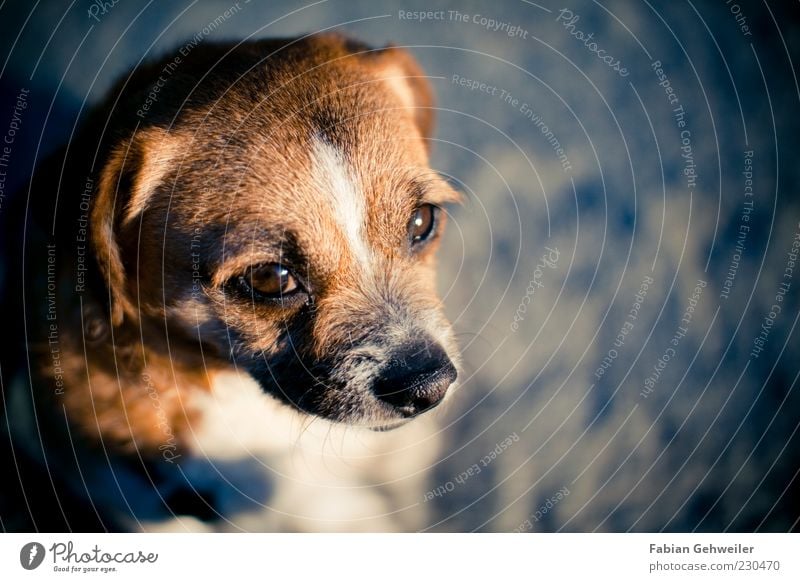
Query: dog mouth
pixel 365 412
pixel 389 426
pixel 412 382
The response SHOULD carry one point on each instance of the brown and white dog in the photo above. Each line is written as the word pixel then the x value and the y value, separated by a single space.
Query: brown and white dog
pixel 237 233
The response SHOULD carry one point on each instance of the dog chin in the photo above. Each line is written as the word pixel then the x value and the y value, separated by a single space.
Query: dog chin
pixel 386 423
pixel 381 423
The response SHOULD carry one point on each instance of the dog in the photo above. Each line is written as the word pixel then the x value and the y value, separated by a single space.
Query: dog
pixel 238 247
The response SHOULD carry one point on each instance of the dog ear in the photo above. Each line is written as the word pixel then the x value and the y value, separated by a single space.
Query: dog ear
pixel 131 174
pixel 405 77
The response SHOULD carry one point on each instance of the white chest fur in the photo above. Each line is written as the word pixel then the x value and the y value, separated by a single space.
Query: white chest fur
pixel 271 468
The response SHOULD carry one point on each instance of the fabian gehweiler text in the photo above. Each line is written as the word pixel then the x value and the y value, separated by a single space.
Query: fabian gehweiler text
pixel 700 549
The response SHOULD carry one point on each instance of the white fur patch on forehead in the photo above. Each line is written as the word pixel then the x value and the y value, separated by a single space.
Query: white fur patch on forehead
pixel 338 181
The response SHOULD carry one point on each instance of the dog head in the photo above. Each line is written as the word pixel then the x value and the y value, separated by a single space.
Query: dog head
pixel 272 203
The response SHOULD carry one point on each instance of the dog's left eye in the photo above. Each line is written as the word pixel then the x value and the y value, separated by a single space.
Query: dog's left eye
pixel 423 223
pixel 270 281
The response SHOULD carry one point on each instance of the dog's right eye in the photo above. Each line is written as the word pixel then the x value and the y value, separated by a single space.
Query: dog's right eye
pixel 422 225
pixel 270 281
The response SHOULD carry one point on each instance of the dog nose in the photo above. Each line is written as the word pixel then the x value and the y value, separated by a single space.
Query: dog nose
pixel 417 379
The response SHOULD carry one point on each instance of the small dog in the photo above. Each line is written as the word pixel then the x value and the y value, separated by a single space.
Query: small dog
pixel 234 227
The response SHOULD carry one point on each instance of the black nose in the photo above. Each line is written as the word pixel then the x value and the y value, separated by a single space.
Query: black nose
pixel 416 379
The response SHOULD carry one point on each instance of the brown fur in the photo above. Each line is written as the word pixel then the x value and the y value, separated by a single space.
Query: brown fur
pixel 222 165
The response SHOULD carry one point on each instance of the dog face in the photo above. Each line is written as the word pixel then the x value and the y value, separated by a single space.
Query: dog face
pixel 285 222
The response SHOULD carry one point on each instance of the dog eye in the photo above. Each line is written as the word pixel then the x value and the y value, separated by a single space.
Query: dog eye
pixel 423 223
pixel 272 280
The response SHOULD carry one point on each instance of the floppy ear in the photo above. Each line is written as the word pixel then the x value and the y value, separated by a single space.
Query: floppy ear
pixel 131 174
pixel 403 75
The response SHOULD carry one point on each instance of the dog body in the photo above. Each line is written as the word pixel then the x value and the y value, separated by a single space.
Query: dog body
pixel 232 260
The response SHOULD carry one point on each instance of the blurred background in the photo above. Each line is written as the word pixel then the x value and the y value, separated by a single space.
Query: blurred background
pixel 622 275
